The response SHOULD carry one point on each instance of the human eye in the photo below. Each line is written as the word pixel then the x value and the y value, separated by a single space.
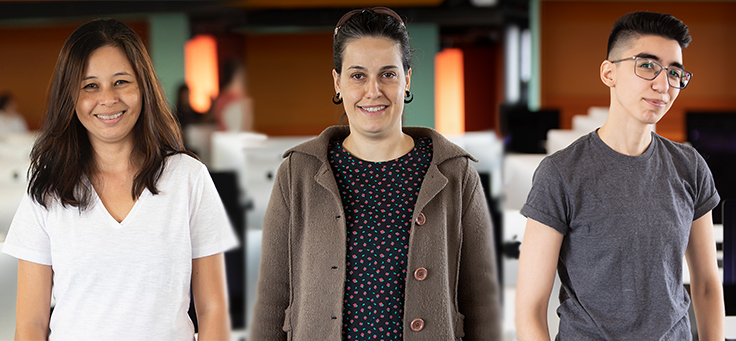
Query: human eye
pixel 121 82
pixel 89 86
pixel 389 74
pixel 357 76
pixel 645 64
pixel 675 73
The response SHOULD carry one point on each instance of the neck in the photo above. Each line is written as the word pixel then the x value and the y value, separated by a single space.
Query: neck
pixel 378 149
pixel 628 137
pixel 117 158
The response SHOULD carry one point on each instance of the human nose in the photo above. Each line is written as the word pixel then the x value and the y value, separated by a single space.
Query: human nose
pixel 660 83
pixel 373 89
pixel 108 96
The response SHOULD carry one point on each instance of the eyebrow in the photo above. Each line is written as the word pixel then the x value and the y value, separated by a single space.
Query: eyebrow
pixel 115 75
pixel 653 57
pixel 383 68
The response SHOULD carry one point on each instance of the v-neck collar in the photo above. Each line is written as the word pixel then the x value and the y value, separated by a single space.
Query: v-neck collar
pixel 131 214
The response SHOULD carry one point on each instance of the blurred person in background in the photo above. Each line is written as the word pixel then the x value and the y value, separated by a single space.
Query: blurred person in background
pixel 10 120
pixel 616 211
pixel 373 230
pixel 118 216
pixel 185 113
pixel 233 108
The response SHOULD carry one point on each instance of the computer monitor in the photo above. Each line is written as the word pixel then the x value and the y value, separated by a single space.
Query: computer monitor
pixel 713 134
pixel 525 131
pixel 729 255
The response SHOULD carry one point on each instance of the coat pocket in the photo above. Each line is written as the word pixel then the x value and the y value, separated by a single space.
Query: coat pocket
pixel 459 325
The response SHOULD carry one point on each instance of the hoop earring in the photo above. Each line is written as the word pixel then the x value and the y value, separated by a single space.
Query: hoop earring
pixel 336 99
pixel 409 97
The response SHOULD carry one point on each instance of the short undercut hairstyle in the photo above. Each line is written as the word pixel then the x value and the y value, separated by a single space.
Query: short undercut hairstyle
pixel 636 24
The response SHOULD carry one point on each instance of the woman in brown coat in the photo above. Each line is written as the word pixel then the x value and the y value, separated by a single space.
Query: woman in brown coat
pixel 375 231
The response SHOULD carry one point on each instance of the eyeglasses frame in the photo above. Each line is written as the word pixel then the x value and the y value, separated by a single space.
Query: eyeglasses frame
pixel 634 58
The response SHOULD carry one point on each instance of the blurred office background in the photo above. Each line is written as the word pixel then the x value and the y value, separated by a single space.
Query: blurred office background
pixel 509 80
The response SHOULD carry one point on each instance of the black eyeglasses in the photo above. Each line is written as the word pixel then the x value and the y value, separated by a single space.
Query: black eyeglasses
pixel 379 9
pixel 649 69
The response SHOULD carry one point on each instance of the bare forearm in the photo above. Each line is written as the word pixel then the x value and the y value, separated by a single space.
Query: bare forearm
pixel 214 325
pixel 706 289
pixel 31 332
pixel 33 301
pixel 210 297
pixel 709 313
pixel 537 265
pixel 532 326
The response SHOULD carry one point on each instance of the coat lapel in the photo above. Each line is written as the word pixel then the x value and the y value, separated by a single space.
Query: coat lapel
pixel 434 181
pixel 326 179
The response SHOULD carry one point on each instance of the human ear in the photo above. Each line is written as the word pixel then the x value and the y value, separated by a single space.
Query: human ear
pixel 408 79
pixel 608 74
pixel 336 80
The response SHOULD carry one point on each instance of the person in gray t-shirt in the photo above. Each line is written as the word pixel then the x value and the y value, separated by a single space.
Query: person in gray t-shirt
pixel 615 212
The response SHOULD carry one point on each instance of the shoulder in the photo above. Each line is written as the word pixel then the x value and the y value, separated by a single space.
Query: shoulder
pixel 180 166
pixel 685 159
pixel 184 162
pixel 574 151
pixel 679 150
pixel 443 150
pixel 317 147
pixel 566 164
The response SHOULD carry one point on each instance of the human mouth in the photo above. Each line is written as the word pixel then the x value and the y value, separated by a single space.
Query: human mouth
pixel 110 117
pixel 374 109
pixel 656 102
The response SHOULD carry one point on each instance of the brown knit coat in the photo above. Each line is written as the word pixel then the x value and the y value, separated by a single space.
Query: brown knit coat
pixel 302 275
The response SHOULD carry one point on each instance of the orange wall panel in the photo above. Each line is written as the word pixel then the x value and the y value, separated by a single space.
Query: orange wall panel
pixel 450 89
pixel 271 66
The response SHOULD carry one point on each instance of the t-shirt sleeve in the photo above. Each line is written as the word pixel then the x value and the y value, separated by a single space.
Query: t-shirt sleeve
pixel 209 226
pixel 706 197
pixel 546 202
pixel 28 238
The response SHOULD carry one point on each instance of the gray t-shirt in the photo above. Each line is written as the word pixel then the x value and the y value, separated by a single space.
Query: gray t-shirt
pixel 626 223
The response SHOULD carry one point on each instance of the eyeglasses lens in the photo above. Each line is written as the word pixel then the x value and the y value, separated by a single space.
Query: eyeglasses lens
pixel 649 69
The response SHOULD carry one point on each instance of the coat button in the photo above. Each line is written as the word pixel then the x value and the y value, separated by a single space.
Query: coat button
pixel 417 325
pixel 420 274
pixel 421 219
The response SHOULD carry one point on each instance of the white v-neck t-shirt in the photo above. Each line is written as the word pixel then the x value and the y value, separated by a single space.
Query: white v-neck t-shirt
pixel 127 280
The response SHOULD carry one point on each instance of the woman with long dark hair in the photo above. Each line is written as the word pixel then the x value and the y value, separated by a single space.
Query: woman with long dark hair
pixel 118 215
pixel 373 230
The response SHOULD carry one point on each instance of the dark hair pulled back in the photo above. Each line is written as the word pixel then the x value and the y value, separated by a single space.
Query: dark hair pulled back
pixel 368 23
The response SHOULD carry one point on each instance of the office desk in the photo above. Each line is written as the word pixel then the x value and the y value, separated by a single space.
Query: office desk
pixel 731 327
pixel 10 197
pixel 8 287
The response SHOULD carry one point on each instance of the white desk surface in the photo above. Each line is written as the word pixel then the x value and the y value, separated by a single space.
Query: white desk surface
pixel 731 327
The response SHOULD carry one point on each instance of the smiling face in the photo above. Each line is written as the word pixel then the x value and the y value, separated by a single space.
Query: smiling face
pixel 373 84
pixel 109 101
pixel 645 101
